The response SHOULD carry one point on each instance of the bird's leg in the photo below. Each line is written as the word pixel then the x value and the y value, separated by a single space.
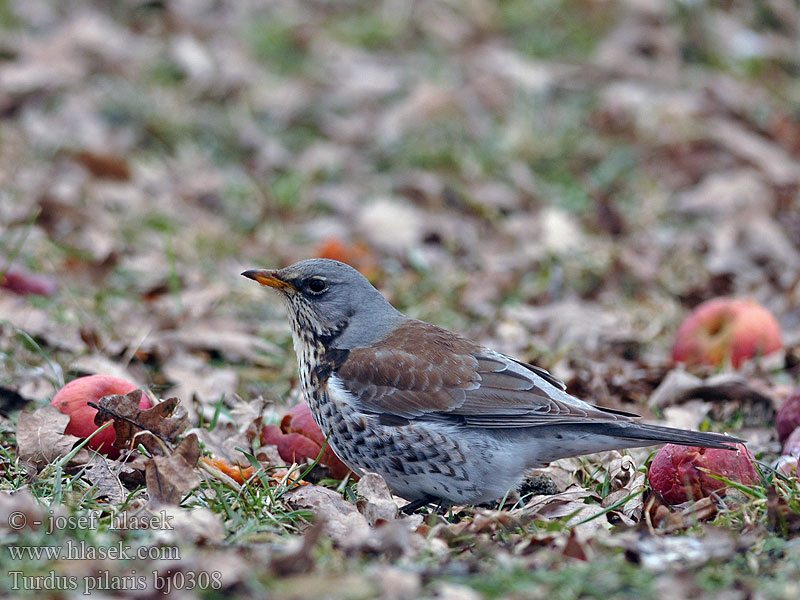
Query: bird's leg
pixel 411 507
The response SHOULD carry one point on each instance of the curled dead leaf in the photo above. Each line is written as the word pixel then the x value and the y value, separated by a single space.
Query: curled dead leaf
pixel 164 422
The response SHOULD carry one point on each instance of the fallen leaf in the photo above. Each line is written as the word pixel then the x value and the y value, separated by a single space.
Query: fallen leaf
pixel 218 335
pixel 626 479
pixel 194 378
pixel 40 436
pixel 297 556
pixel 778 165
pixel 342 522
pixel 198 525
pixel 377 503
pixel 104 164
pixel 575 547
pixel 780 515
pixel 170 478
pixel 105 480
pixel 679 386
pixel 665 553
pixel 669 519
pixel 224 439
pixel 165 421
pixel 569 503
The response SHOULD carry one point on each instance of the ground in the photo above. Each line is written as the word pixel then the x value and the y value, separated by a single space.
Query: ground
pixel 562 181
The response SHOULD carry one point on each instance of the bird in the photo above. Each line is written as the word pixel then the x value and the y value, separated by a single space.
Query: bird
pixel 442 418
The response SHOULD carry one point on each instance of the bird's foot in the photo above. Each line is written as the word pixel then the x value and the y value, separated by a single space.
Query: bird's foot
pixel 412 507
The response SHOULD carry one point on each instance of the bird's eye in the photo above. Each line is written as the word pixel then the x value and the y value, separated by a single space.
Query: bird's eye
pixel 317 285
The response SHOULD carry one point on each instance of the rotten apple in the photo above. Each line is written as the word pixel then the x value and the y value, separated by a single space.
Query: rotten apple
pixel 682 473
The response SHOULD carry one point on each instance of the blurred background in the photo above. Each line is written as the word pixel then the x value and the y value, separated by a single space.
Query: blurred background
pixel 561 180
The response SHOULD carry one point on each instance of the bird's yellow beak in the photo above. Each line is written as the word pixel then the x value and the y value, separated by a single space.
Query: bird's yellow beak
pixel 268 278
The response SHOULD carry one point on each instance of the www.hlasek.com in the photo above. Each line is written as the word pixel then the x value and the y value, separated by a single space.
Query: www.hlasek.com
pixel 105 581
pixel 80 550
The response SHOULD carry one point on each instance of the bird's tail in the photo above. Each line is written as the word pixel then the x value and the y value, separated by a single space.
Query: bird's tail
pixel 645 435
pixel 544 444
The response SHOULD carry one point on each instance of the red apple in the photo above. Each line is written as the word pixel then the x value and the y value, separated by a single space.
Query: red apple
pixel 675 471
pixel 725 329
pixel 298 438
pixel 788 417
pixel 72 400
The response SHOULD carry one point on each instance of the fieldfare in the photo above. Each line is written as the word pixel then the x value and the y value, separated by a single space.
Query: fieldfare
pixel 441 418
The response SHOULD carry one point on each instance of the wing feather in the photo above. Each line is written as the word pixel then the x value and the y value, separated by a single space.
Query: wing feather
pixel 425 372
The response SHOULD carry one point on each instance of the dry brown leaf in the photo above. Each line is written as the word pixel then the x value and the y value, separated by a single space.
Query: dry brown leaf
pixel 663 553
pixel 569 502
pixel 104 164
pixel 575 547
pixel 223 336
pixel 106 481
pixel 679 386
pixel 297 557
pixel 193 377
pixel 781 517
pixel 199 525
pixel 170 478
pixel 669 519
pixel 347 527
pixel 163 422
pixel 778 165
pixel 377 503
pixel 40 436
pixel 350 530
pixel 223 439
pixel 625 480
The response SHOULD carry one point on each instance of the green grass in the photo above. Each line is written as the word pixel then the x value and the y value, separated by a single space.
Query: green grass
pixel 278 44
pixel 369 28
pixel 567 579
pixel 560 29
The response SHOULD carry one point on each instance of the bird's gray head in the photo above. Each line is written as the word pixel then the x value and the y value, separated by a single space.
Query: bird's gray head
pixel 332 302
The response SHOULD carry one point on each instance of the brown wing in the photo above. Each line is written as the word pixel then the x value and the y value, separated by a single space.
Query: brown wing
pixel 423 371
